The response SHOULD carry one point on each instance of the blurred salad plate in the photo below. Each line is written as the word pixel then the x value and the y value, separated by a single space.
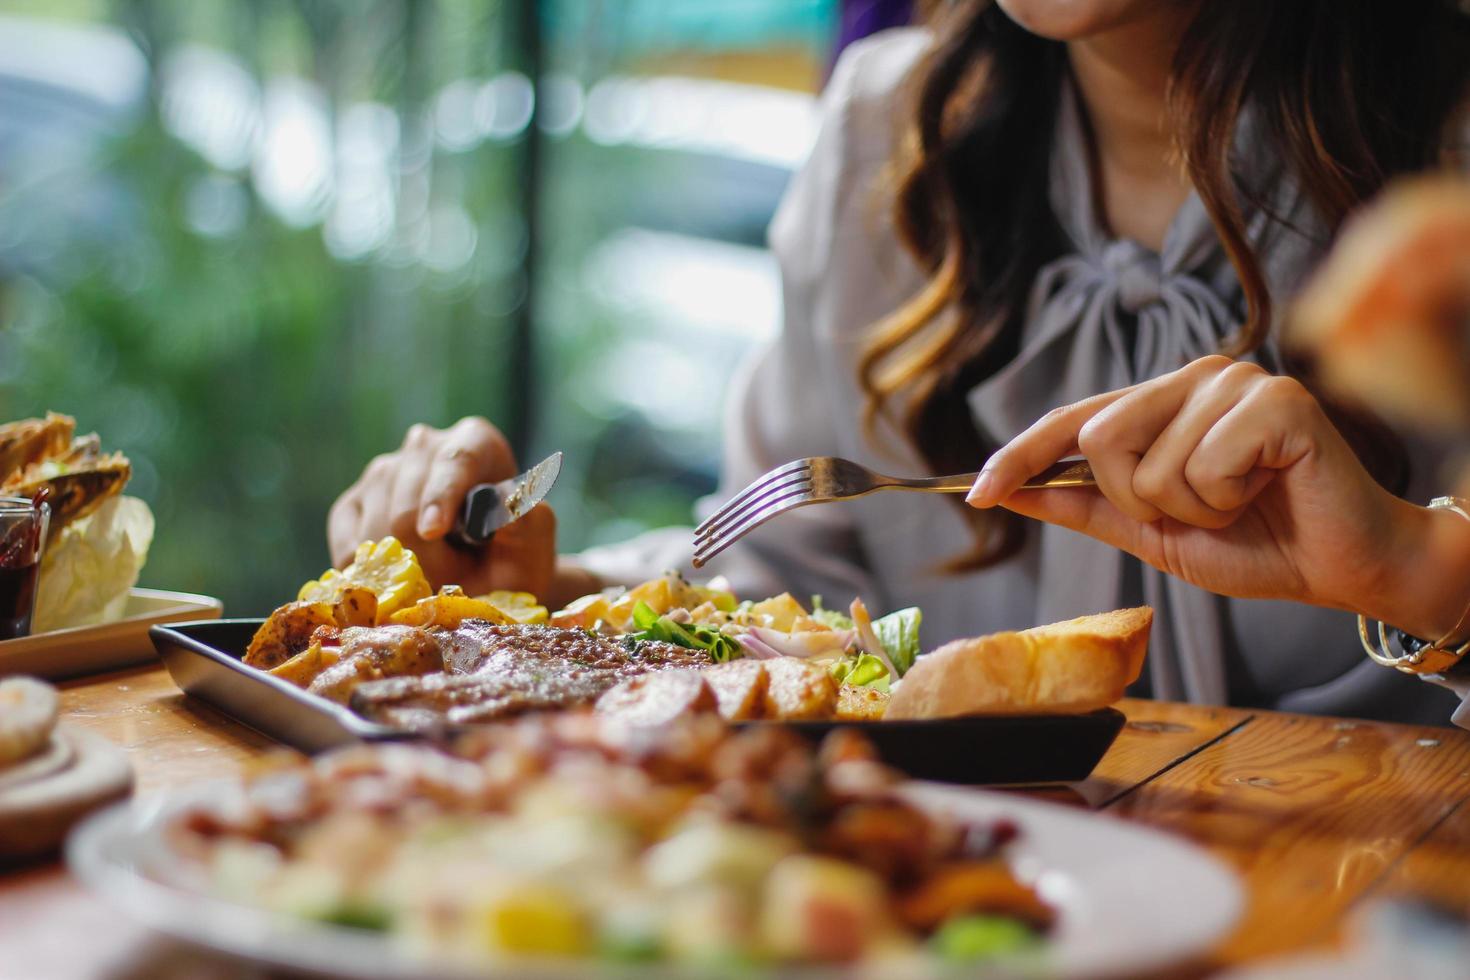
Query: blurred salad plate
pixel 574 844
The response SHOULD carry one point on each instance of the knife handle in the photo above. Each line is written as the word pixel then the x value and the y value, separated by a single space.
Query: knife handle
pixel 478 503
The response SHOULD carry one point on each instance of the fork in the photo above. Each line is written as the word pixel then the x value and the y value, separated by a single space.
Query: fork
pixel 823 479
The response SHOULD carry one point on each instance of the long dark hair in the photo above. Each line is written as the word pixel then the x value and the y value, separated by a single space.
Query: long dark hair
pixel 1348 92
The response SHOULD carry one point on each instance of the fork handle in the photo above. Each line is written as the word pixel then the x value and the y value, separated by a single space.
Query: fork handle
pixel 1072 472
pixel 956 483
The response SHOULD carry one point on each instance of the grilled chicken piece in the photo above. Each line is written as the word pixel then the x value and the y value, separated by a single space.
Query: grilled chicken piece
pixel 30 441
pixel 861 703
pixel 739 687
pixel 436 700
pixel 304 668
pixel 798 691
pixel 372 653
pixel 658 698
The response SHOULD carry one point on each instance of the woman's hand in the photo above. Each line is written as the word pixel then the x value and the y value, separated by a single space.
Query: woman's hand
pixel 415 494
pixel 1236 481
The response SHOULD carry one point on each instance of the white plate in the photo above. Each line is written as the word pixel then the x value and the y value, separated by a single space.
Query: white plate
pixel 1131 900
pixel 60 654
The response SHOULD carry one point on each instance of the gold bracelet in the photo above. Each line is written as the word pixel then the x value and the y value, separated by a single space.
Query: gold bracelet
pixel 1433 658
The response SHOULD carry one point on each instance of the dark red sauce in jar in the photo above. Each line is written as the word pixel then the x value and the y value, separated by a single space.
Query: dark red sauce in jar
pixel 22 537
pixel 17 599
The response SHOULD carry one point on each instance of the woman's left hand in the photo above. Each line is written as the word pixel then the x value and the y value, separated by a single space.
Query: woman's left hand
pixel 1234 480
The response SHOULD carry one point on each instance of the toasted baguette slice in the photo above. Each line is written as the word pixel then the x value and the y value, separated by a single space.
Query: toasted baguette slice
pixel 1065 668
pixel 32 441
pixel 76 490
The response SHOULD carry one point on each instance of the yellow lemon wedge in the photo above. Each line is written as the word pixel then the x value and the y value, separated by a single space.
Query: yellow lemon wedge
pixel 522 607
pixel 386 567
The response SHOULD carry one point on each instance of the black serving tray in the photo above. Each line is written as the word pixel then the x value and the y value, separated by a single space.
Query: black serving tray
pixel 204 660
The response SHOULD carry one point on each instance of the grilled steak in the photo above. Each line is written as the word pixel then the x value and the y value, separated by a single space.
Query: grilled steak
pixel 495 671
pixel 478 647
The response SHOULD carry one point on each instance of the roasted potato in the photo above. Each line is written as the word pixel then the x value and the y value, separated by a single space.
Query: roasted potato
pixel 583 613
pixel 303 668
pixel 386 568
pixel 656 592
pixel 448 609
pixel 519 606
pixel 287 632
pixel 356 606
pixel 778 612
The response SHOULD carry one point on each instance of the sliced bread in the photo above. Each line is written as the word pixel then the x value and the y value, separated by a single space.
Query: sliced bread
pixel 1064 668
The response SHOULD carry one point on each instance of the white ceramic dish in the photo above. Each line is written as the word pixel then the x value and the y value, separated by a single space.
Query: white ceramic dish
pixel 60 654
pixel 1132 900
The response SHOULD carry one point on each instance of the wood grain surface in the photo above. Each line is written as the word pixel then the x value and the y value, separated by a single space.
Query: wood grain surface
pixel 1318 815
pixel 1438 866
pixel 171 738
pixel 1311 811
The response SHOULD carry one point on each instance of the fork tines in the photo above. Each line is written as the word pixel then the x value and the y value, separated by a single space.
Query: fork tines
pixel 777 491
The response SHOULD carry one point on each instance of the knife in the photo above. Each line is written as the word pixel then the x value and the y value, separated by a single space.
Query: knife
pixel 491 506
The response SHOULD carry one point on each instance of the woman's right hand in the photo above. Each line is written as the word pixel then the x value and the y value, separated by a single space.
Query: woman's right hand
pixel 415 493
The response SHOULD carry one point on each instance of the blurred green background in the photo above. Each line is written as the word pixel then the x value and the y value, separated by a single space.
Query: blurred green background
pixel 251 242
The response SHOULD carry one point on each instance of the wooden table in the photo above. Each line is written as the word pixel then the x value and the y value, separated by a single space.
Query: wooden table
pixel 1315 813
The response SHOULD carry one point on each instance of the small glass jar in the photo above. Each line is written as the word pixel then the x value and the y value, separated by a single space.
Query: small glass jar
pixel 23 526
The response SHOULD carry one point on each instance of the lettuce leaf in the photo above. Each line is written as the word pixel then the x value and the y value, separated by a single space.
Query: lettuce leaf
pixel 899 634
pixel 662 629
pixel 863 670
pixel 830 618
pixel 90 565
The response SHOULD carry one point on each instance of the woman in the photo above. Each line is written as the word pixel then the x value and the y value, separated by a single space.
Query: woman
pixel 1096 193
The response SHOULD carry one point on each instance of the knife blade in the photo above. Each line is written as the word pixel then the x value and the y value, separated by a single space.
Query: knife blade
pixel 491 506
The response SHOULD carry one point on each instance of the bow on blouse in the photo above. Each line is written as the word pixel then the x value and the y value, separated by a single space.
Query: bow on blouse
pixel 1111 314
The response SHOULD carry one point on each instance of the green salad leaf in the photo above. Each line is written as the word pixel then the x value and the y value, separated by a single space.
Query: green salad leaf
pixel 863 670
pixel 631 948
pixel 830 618
pixel 899 634
pixel 358 915
pixel 662 629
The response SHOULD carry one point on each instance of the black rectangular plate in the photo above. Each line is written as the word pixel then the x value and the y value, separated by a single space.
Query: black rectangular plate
pixel 204 660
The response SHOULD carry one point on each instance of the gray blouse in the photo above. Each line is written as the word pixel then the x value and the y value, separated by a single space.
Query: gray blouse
pixel 1109 314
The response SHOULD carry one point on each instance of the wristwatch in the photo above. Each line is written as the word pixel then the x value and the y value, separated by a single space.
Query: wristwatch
pixel 1419 656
